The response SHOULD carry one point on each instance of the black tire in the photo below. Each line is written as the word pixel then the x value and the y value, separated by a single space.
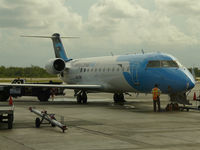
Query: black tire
pixel 53 125
pixel 121 97
pixel 115 97
pixel 37 122
pixel 43 97
pixel 1 118
pixel 4 96
pixel 10 121
pixel 84 98
pixel 78 98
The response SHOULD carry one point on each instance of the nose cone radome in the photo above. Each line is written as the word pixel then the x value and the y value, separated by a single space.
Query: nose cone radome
pixel 188 78
pixel 191 84
pixel 182 80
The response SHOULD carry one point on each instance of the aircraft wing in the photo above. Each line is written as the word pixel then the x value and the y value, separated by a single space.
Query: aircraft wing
pixel 66 86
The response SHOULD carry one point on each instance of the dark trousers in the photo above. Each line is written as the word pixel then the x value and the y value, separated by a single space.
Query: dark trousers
pixel 158 103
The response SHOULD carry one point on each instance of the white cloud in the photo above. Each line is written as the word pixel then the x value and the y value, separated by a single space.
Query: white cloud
pixel 111 25
pixel 187 12
pixel 33 17
pixel 37 15
pixel 127 23
pixel 179 7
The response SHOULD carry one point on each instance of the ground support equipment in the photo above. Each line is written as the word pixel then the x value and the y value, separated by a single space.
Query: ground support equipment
pixel 50 118
pixel 7 115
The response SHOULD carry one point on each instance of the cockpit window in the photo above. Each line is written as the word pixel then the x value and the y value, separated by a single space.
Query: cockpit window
pixel 153 64
pixel 162 63
pixel 170 63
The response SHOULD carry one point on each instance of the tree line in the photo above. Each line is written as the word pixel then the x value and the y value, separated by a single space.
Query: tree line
pixel 24 72
pixel 196 71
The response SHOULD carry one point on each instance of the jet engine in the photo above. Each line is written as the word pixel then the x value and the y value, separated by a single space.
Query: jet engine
pixel 55 66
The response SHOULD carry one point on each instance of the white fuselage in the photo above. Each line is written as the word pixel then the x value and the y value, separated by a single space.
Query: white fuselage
pixel 104 71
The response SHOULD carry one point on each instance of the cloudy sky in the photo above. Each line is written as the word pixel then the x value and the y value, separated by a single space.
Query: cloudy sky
pixel 104 26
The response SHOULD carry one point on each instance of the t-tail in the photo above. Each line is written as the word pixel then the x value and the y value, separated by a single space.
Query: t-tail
pixel 57 44
pixel 58 47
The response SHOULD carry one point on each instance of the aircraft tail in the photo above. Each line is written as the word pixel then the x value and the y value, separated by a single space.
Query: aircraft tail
pixel 57 44
pixel 58 47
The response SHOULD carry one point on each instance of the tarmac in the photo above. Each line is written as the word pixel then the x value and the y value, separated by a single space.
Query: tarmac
pixel 102 125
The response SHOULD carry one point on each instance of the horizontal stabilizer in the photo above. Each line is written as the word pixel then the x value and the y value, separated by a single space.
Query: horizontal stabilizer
pixel 38 36
pixel 57 44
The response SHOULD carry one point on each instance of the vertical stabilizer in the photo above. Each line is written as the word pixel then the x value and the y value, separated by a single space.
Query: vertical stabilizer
pixel 58 47
pixel 57 44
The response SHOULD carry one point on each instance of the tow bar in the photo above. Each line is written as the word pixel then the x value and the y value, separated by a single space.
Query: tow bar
pixel 48 117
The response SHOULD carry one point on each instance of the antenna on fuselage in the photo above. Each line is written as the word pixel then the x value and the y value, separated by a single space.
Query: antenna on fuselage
pixel 142 51
pixel 193 72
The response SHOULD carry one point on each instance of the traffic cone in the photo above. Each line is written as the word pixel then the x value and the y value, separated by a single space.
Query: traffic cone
pixel 194 97
pixel 10 101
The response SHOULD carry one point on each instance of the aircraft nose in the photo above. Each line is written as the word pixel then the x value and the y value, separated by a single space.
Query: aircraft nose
pixel 182 80
pixel 189 79
pixel 190 83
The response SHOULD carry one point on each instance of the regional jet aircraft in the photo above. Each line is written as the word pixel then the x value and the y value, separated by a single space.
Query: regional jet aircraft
pixel 118 74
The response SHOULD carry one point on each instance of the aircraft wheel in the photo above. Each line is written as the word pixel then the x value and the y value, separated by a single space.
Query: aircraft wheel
pixel 78 98
pixel 84 98
pixel 53 125
pixel 115 97
pixel 121 97
pixel 1 118
pixel 118 97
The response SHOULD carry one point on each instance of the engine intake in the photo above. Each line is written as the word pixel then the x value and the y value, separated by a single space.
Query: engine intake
pixel 55 66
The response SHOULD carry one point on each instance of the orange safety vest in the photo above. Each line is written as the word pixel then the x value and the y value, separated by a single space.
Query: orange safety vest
pixel 156 93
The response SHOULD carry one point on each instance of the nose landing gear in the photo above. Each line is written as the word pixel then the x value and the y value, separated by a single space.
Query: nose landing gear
pixel 118 98
pixel 81 97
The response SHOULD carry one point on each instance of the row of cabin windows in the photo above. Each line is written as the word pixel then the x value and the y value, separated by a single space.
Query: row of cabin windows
pixel 103 69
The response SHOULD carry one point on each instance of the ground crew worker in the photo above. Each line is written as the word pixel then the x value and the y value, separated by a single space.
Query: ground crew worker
pixel 156 97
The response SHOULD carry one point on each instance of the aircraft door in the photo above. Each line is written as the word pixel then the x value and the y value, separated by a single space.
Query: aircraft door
pixel 134 73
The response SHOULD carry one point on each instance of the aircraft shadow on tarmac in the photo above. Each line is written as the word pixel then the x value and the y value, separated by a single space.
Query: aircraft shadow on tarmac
pixel 129 106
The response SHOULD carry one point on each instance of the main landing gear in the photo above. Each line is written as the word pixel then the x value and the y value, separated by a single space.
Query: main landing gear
pixel 81 97
pixel 118 98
